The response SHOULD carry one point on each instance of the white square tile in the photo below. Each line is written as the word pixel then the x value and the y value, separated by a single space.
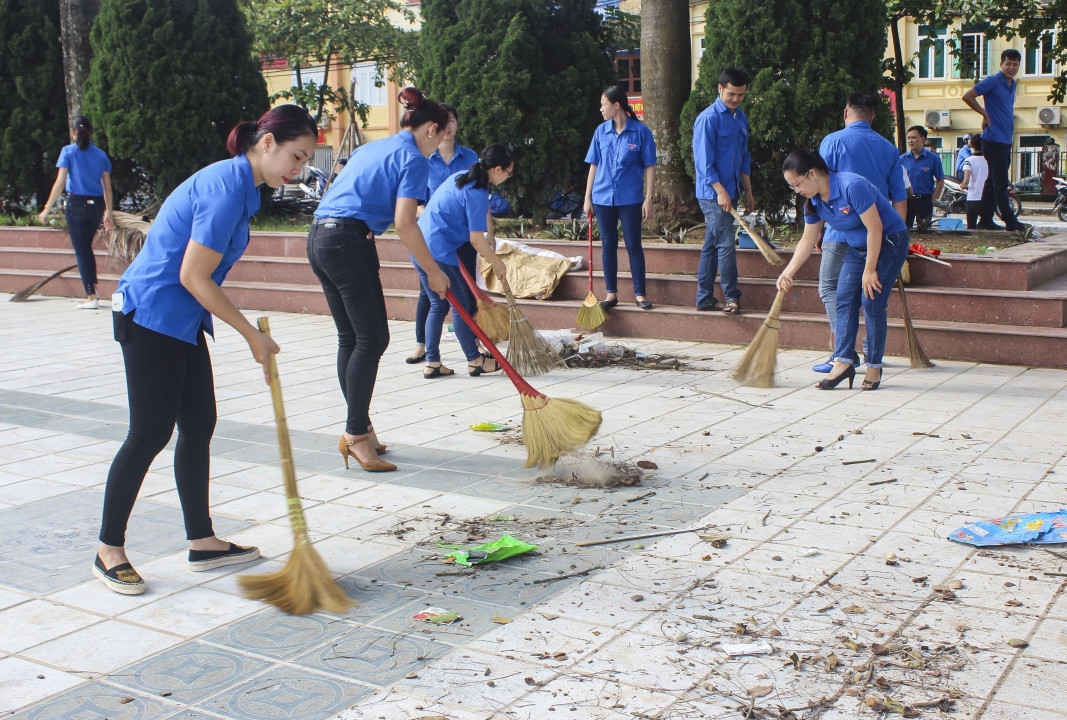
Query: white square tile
pixel 25 682
pixel 97 650
pixel 38 621
pixel 192 612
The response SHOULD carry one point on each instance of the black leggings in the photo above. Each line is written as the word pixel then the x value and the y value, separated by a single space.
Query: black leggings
pixel 168 382
pixel 83 218
pixel 343 257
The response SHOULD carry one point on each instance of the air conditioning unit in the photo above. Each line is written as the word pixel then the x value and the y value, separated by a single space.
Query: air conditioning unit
pixel 1048 116
pixel 938 119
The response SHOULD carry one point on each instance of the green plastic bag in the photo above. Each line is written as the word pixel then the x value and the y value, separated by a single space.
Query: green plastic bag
pixel 495 551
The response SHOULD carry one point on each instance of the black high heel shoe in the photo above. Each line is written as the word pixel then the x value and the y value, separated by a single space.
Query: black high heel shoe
pixel 871 384
pixel 831 382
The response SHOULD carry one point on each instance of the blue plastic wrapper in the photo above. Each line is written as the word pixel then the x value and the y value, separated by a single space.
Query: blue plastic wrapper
pixel 1042 528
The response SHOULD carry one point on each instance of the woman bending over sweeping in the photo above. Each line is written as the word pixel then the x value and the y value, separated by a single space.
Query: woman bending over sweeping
pixel 383 182
pixel 456 215
pixel 877 246
pixel 163 307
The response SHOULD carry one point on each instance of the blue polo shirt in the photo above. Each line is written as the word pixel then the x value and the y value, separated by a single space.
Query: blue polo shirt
pixel 720 150
pixel 964 153
pixel 923 171
pixel 999 93
pixel 85 168
pixel 462 159
pixel 620 159
pixel 212 207
pixel 375 176
pixel 451 215
pixel 851 195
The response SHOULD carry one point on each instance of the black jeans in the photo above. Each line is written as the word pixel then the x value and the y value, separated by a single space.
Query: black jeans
pixel 343 256
pixel 921 208
pixel 995 193
pixel 168 382
pixel 83 215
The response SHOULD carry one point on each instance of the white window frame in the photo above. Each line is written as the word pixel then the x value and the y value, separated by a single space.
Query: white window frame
pixel 316 74
pixel 931 49
pixel 1039 56
pixel 364 87
pixel 981 66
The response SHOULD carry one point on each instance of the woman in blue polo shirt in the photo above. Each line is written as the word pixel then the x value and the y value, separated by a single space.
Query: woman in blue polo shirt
pixel 85 173
pixel 621 157
pixel 448 159
pixel 163 307
pixel 877 245
pixel 383 182
pixel 456 216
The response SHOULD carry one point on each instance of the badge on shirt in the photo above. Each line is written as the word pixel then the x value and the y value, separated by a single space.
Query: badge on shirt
pixel 846 210
pixel 117 300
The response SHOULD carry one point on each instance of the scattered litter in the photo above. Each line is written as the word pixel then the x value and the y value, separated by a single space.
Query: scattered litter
pixel 592 351
pixel 437 616
pixel 501 518
pixel 591 472
pixel 716 540
pixel 1017 643
pixel 647 465
pixel 489 427
pixel 808 552
pixel 1041 528
pixel 858 462
pixel 891 559
pixel 554 578
pixel 500 620
pixel 882 482
pixel 490 552
pixel 739 649
pixel 760 691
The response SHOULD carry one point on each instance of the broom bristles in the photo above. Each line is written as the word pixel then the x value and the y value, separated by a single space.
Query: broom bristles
pixel 757 365
pixel 303 586
pixel 554 426
pixel 590 314
pixel 493 318
pixel 916 355
pixel 528 352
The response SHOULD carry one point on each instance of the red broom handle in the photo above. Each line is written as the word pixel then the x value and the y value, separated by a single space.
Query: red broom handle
pixel 521 385
pixel 478 292
pixel 589 224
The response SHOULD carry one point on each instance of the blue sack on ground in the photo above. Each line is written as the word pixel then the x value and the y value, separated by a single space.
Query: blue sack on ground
pixel 1042 528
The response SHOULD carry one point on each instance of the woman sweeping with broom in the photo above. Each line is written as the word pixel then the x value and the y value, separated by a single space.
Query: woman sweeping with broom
pixel 455 216
pixel 163 307
pixel 877 246
pixel 383 182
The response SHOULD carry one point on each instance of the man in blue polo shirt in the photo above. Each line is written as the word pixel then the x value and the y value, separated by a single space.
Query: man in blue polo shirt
pixel 961 156
pixel 723 165
pixel 998 128
pixel 859 149
pixel 924 176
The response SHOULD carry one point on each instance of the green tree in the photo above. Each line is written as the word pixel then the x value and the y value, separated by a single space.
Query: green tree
pixel 799 79
pixel 313 34
pixel 169 78
pixel 31 89
pixel 522 72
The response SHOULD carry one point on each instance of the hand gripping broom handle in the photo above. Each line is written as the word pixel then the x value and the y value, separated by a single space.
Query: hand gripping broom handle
pixel 285 447
pixel 589 224
pixel 521 385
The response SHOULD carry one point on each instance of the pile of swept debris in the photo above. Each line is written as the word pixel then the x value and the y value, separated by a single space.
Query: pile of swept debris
pixel 593 351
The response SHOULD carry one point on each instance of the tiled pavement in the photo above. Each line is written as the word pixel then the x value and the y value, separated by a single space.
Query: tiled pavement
pixel 646 633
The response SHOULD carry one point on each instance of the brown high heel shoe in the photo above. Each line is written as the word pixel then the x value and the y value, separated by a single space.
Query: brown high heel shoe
pixel 381 449
pixel 344 446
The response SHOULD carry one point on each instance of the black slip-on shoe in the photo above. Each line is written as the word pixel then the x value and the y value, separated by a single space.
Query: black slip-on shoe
pixel 200 560
pixel 122 578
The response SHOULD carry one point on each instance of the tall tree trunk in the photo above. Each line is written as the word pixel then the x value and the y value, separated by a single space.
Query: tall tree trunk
pixel 665 84
pixel 75 21
pixel 898 81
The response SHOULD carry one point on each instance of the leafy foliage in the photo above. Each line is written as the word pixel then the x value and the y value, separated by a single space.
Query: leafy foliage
pixel 169 78
pixel 33 125
pixel 522 72
pixel 316 33
pixel 803 58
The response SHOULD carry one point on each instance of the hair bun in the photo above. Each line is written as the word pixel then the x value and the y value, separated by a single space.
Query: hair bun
pixel 411 98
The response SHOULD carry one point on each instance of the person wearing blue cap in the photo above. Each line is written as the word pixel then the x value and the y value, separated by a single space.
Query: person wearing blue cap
pixel 85 173
pixel 622 175
pixel 162 310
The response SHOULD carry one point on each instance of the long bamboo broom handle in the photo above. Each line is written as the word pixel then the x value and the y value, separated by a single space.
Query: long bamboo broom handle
pixel 521 385
pixel 478 292
pixel 285 447
pixel 939 261
pixel 764 247
pixel 589 224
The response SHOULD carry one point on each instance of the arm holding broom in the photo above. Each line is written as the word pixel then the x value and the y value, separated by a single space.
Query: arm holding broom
pixel 800 255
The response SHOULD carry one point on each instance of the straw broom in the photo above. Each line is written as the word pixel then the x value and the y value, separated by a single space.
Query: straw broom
pixel 492 315
pixel 550 426
pixel 756 368
pixel 24 294
pixel 305 584
pixel 527 350
pixel 916 355
pixel 764 247
pixel 590 314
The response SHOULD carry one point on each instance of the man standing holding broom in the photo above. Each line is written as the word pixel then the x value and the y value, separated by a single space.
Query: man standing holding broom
pixel 857 148
pixel 723 165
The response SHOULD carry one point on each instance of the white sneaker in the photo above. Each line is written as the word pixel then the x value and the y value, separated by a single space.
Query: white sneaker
pixel 93 304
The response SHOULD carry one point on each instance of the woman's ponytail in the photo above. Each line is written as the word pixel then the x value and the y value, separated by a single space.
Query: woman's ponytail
pixel 83 132
pixel 241 138
pixel 495 155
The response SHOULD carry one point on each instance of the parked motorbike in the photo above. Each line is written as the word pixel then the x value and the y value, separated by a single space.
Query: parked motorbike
pixel 302 194
pixel 953 199
pixel 1060 207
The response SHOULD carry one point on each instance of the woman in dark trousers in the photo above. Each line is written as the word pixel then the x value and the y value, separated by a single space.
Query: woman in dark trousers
pixel 85 173
pixel 457 217
pixel 383 182
pixel 877 244
pixel 162 309
pixel 448 159
pixel 622 172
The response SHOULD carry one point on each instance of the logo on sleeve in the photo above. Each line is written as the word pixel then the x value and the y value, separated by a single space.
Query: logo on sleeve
pixel 846 210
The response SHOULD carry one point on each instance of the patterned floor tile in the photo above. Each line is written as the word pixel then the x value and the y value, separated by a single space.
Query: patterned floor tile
pixel 97 701
pixel 475 619
pixel 277 635
pixel 286 693
pixel 377 657
pixel 189 672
